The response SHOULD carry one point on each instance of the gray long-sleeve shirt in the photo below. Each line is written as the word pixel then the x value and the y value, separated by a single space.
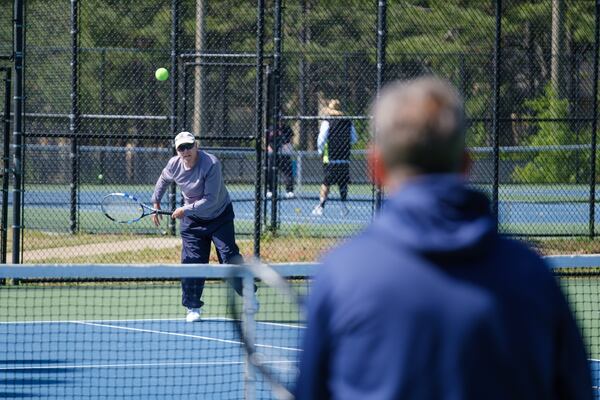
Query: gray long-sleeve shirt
pixel 203 188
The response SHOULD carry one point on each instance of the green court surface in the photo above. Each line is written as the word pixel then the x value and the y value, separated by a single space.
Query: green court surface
pixel 583 294
pixel 65 301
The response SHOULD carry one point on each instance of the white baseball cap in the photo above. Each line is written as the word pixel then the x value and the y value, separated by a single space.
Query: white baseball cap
pixel 184 137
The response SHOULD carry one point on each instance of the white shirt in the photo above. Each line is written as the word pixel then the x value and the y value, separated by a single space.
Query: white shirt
pixel 324 135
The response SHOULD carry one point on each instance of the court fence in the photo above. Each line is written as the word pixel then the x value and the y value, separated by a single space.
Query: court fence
pixel 256 80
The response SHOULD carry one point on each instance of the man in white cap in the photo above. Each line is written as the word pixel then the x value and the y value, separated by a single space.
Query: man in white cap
pixel 206 217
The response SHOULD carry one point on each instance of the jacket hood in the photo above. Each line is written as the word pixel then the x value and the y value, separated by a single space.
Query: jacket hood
pixel 438 215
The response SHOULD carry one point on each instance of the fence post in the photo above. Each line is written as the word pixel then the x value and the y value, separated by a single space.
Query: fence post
pixel 174 86
pixel 74 115
pixel 275 128
pixel 381 56
pixel 5 166
pixel 258 122
pixel 183 121
pixel 269 120
pixel 19 46
pixel 102 101
pixel 346 80
pixel 224 85
pixel 594 121
pixel 496 107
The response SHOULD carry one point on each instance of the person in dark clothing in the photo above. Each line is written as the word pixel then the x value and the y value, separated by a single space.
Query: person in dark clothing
pixel 336 137
pixel 430 302
pixel 283 136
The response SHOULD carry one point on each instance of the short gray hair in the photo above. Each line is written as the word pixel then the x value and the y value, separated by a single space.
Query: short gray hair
pixel 420 125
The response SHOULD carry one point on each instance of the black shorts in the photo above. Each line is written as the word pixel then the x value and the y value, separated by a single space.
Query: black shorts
pixel 336 174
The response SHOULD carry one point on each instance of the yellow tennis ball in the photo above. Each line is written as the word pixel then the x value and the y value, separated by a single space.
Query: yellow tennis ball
pixel 100 176
pixel 162 74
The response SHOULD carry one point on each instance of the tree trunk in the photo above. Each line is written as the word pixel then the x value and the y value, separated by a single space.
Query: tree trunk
pixel 557 76
pixel 304 81
pixel 199 47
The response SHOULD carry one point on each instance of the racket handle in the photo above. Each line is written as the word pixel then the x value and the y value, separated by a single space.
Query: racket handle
pixel 163 212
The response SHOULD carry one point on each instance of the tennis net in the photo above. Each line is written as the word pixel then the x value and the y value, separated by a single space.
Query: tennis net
pixel 118 331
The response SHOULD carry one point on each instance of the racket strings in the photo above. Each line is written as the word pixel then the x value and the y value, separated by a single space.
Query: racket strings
pixel 273 343
pixel 121 208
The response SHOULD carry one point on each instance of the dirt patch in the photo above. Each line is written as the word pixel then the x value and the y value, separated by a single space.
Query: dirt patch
pixel 94 249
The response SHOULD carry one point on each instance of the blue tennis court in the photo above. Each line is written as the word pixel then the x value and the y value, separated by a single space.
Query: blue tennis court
pixel 118 331
pixel 518 204
pixel 138 359
pixel 141 359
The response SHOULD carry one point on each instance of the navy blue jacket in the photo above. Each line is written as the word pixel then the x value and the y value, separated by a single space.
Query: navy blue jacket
pixel 430 303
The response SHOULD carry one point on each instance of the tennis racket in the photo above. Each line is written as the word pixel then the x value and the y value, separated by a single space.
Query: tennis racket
pixel 271 337
pixel 126 209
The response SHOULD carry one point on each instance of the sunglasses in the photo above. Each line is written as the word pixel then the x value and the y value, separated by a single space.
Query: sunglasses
pixel 185 146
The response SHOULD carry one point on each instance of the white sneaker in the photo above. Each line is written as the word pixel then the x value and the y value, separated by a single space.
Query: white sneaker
pixel 193 314
pixel 269 195
pixel 290 195
pixel 318 211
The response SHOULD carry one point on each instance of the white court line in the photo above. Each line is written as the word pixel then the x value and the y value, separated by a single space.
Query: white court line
pixel 594 360
pixel 133 365
pixel 184 335
pixel 261 322
pixel 143 320
pixel 91 320
pixel 281 324
pixel 102 323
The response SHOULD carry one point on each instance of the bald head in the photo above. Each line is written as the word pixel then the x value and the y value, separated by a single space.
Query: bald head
pixel 419 127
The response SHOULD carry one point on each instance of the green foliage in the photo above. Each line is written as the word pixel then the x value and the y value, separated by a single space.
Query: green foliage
pixel 123 42
pixel 444 27
pixel 477 135
pixel 562 166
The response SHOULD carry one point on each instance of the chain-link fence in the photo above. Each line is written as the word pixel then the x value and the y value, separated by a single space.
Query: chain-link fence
pixel 287 112
pixel 6 34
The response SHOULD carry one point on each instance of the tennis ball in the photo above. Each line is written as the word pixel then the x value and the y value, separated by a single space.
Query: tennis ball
pixel 100 177
pixel 162 74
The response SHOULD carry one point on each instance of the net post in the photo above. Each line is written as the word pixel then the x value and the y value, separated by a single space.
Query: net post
pixel 249 326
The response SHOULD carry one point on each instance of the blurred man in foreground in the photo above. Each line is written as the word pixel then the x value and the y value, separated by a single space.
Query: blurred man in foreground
pixel 429 302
